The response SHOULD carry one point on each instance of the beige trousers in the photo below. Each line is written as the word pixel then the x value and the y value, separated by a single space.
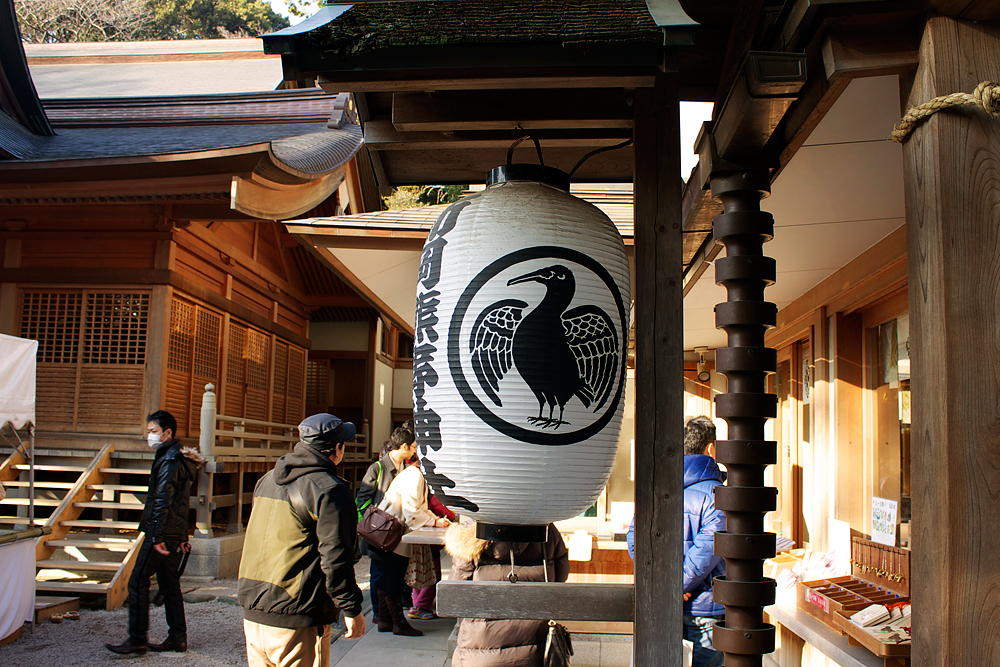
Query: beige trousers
pixel 268 646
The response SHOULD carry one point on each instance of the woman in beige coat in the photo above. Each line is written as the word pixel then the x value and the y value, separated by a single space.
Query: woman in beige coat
pixel 405 499
pixel 503 642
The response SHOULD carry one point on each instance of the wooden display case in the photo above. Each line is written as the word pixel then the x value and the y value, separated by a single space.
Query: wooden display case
pixel 879 575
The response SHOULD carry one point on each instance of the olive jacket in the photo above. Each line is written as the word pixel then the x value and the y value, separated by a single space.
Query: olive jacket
pixel 297 571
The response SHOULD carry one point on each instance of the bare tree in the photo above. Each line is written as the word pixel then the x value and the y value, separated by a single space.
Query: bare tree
pixel 47 21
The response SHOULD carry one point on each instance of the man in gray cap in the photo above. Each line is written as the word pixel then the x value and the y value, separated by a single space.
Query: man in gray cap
pixel 297 570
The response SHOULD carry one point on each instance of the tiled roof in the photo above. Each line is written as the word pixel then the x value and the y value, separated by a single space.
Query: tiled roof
pixel 275 107
pixel 291 125
pixel 373 26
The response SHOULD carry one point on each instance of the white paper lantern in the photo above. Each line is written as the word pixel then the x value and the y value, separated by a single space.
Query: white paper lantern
pixel 520 346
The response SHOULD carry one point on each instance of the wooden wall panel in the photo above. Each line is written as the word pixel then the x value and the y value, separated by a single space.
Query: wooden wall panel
pixel 110 399
pixel 250 298
pixel 238 234
pixel 268 251
pixel 202 272
pixel 87 253
pixel 55 389
pixel 291 320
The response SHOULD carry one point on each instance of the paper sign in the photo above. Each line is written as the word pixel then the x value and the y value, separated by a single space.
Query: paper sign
pixel 884 521
pixel 818 600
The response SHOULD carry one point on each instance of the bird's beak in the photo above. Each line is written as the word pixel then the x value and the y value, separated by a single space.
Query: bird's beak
pixel 526 278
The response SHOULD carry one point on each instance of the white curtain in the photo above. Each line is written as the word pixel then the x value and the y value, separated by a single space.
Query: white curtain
pixel 17 380
pixel 17 585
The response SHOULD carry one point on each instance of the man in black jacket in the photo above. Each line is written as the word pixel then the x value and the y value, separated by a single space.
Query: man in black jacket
pixel 297 570
pixel 165 525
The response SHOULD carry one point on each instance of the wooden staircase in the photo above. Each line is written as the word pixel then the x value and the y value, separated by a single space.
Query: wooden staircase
pixel 93 503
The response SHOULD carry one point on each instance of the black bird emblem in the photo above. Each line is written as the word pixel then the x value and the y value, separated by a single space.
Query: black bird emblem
pixel 559 353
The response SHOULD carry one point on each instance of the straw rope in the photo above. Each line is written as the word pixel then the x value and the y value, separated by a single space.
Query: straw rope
pixel 986 96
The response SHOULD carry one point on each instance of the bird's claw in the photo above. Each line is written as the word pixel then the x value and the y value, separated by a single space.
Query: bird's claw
pixel 546 422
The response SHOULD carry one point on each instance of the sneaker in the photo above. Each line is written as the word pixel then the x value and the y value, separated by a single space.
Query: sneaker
pixel 421 614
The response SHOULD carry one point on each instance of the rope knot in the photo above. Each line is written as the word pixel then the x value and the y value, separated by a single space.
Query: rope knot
pixel 987 96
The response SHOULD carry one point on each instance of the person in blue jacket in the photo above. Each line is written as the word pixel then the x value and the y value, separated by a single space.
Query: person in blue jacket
pixel 701 521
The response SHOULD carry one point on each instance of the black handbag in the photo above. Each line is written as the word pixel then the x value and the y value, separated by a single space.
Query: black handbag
pixel 381 529
pixel 558 646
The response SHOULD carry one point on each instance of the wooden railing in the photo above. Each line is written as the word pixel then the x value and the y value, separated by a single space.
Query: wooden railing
pixel 249 441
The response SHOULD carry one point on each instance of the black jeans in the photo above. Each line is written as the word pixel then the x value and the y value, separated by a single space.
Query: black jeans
pixel 147 563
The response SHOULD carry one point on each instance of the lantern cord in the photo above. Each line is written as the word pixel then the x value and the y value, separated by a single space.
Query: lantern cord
pixel 538 147
pixel 512 577
pixel 595 152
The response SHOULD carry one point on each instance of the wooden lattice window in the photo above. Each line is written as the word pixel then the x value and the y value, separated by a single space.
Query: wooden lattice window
pixel 206 344
pixel 192 361
pixel 296 385
pixel 179 347
pixel 53 319
pixel 317 385
pixel 91 361
pixel 116 328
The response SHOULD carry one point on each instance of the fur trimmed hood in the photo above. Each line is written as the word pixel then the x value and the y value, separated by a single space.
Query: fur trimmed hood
pixel 192 454
pixel 460 541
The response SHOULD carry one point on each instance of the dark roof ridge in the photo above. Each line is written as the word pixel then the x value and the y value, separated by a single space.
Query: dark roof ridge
pixel 373 26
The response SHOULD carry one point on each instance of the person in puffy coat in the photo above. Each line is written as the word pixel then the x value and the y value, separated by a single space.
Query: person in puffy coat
pixel 165 526
pixel 702 519
pixel 503 642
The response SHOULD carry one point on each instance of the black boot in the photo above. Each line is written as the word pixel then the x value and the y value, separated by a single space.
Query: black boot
pixel 127 648
pixel 400 626
pixel 384 612
pixel 175 644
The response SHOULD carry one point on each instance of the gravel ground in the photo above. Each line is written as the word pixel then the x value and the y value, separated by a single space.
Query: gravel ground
pixel 215 633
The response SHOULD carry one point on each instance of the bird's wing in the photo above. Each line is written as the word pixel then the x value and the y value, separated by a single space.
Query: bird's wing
pixel 594 341
pixel 490 344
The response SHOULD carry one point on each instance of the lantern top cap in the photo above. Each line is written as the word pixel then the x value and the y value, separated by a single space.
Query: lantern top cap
pixel 528 172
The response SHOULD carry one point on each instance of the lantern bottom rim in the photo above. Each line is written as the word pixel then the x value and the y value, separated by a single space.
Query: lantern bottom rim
pixel 501 532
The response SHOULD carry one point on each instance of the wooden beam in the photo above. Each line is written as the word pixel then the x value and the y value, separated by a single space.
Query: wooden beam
pixel 508 109
pixel 336 301
pixel 381 135
pixel 366 239
pixel 536 600
pixel 480 79
pixel 659 375
pixel 878 50
pixel 952 205
pixel 50 276
pixel 972 10
pixel 275 201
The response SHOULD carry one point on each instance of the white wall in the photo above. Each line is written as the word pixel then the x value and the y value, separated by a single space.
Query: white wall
pixel 402 389
pixel 340 336
pixel 381 427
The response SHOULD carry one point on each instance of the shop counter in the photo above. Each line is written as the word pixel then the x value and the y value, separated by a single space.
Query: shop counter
pixel 798 628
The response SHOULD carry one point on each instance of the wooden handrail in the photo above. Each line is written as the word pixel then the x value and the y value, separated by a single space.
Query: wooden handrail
pixel 254 422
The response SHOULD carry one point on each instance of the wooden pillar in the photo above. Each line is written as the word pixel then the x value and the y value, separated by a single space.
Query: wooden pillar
pixel 952 187
pixel 8 291
pixel 659 375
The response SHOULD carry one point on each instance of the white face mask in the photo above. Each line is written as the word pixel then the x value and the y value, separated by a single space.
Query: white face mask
pixel 154 439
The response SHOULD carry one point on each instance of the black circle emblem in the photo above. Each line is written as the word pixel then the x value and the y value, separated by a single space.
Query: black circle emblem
pixel 530 351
